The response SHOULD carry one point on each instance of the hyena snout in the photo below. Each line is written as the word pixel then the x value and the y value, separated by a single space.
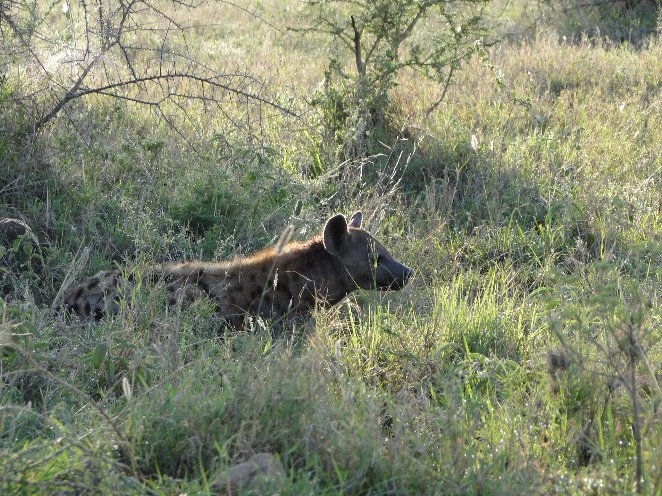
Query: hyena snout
pixel 392 275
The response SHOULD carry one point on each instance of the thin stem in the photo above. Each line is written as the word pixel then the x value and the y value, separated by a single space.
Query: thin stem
pixel 636 427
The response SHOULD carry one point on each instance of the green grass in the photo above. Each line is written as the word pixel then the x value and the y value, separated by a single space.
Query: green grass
pixel 537 245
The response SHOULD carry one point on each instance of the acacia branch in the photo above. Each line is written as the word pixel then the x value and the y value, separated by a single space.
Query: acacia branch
pixel 434 106
pixel 360 67
pixel 184 75
pixel 70 95
pixel 408 30
pixel 378 38
pixel 109 60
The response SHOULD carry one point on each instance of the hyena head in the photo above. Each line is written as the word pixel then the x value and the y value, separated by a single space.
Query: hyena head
pixel 368 263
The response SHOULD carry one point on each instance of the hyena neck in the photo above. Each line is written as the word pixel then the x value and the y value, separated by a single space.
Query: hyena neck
pixel 314 274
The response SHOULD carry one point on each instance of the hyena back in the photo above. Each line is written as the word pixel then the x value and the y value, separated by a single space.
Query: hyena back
pixel 273 284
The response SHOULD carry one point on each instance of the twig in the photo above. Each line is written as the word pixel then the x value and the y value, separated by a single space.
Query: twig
pixel 447 83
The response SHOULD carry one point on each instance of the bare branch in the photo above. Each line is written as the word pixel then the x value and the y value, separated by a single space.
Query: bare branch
pixel 357 48
pixel 434 106
pixel 106 56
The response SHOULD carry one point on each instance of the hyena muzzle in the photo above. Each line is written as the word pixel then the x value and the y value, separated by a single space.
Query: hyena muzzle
pixel 276 283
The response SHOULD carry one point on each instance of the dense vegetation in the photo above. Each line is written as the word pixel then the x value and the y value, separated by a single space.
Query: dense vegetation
pixel 525 356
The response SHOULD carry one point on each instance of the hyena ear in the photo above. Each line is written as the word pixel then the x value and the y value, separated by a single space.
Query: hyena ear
pixel 335 232
pixel 356 220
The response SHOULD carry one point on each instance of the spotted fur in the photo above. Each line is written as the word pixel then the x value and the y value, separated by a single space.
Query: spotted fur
pixel 273 284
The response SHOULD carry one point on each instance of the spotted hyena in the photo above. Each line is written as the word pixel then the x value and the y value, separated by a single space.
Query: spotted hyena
pixel 276 283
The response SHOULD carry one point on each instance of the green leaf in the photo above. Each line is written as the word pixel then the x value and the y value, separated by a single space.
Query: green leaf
pixel 99 355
